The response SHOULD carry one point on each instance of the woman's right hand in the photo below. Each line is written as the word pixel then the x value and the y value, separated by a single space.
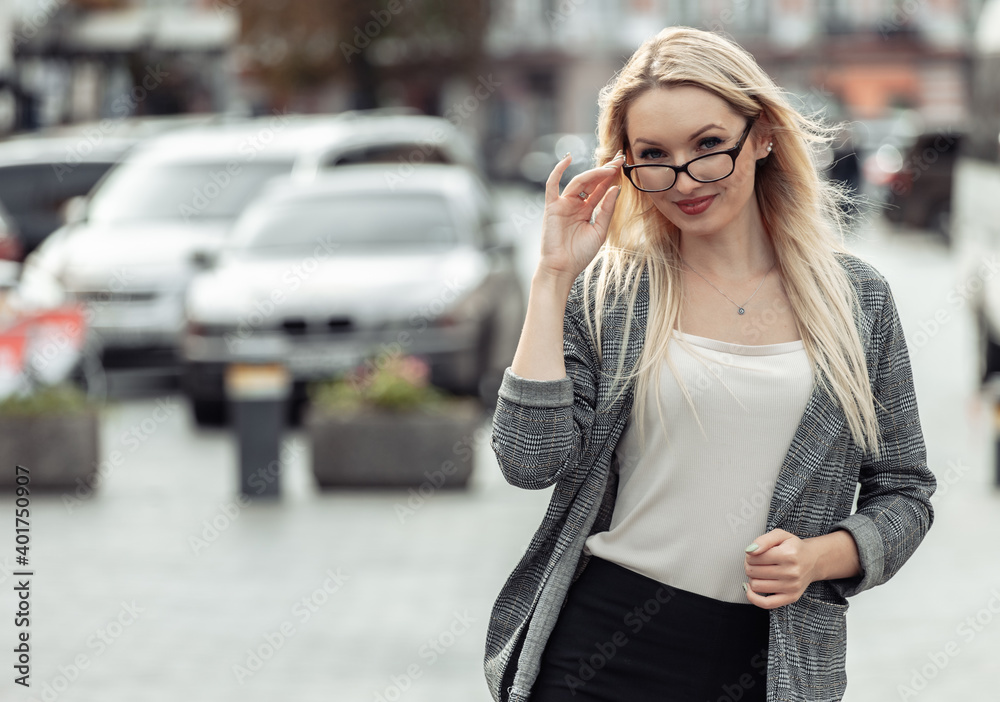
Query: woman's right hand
pixel 569 240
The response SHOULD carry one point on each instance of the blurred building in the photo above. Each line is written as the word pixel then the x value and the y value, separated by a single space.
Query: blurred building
pixel 861 59
pixel 64 61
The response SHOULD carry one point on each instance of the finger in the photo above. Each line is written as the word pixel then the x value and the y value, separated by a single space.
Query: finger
pixel 768 540
pixel 605 210
pixel 769 601
pixel 591 179
pixel 552 182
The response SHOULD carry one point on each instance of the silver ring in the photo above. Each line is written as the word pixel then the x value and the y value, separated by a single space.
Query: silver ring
pixel 582 195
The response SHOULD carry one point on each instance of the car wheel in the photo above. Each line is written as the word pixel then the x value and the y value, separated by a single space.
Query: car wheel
pixel 209 413
pixel 989 350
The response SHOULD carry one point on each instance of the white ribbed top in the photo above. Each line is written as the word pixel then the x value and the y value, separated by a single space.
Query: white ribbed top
pixel 686 510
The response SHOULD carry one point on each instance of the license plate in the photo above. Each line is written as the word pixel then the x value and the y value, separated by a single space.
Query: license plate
pixel 324 359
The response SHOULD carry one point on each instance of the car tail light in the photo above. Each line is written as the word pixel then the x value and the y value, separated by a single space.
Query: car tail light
pixel 901 182
pixel 10 247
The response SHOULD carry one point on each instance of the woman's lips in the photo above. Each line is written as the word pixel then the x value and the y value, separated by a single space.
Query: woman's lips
pixel 696 206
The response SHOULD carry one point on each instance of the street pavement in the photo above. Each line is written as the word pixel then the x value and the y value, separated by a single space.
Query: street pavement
pixel 162 586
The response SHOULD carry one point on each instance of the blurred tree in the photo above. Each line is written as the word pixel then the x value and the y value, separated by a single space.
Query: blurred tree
pixel 292 46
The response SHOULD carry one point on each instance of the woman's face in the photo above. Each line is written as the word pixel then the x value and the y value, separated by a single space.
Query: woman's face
pixel 676 124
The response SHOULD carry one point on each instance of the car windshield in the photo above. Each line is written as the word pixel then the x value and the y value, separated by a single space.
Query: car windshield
pixel 182 191
pixel 367 220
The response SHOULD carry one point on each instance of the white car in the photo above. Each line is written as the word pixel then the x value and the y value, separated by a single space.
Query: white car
pixel 131 253
pixel 355 265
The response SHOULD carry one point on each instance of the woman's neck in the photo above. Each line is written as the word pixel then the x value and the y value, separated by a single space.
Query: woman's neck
pixel 741 252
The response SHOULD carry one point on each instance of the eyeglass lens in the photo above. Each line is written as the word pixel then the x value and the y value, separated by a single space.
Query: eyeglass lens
pixel 708 168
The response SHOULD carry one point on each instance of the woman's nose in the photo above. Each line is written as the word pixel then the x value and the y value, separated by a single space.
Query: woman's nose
pixel 684 183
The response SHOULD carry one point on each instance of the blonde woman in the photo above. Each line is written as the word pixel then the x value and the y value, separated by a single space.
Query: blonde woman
pixel 705 375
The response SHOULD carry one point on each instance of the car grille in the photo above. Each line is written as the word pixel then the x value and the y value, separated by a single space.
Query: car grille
pixel 299 326
pixel 109 296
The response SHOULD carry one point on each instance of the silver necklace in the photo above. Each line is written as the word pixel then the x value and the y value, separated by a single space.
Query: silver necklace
pixel 741 310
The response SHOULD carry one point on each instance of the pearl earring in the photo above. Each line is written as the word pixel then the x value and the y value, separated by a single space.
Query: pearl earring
pixel 769 146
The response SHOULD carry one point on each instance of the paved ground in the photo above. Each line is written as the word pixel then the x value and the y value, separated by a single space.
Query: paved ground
pixel 359 605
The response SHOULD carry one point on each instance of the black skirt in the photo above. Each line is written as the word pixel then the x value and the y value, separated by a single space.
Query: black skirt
pixel 625 637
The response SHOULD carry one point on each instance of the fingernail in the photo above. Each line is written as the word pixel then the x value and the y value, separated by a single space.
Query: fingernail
pixel 745 588
pixel 567 154
pixel 751 548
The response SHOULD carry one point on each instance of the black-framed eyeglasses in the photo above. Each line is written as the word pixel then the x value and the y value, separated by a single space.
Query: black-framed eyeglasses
pixel 705 169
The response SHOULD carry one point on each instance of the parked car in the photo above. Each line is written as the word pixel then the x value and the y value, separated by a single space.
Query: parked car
pixel 920 191
pixel 40 172
pixel 323 274
pixel 130 253
pixel 401 136
pixel 37 182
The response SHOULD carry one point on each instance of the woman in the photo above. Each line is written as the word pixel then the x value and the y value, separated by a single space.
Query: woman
pixel 705 552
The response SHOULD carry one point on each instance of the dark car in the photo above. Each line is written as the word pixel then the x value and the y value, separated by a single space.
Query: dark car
pixel 919 193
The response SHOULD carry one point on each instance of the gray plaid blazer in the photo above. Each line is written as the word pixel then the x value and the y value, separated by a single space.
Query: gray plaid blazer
pixel 548 432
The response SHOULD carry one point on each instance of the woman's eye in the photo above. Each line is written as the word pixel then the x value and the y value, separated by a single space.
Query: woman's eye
pixel 648 154
pixel 711 142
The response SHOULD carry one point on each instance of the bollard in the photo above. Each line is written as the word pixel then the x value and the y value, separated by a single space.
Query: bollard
pixel 996 441
pixel 257 395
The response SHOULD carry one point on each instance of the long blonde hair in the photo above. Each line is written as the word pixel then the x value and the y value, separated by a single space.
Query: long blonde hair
pixel 800 209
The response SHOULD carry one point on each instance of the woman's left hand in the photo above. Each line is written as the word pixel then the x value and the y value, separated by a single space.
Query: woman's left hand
pixel 783 565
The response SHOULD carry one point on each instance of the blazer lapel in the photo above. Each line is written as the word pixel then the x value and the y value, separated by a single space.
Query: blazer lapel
pixel 821 424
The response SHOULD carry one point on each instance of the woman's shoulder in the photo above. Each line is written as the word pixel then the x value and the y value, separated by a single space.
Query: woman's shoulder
pixel 861 271
pixel 871 285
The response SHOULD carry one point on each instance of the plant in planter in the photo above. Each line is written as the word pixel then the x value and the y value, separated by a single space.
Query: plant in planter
pixel 389 427
pixel 53 432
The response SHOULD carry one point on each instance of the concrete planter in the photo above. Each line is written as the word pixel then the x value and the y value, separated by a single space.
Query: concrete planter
pixel 382 448
pixel 57 449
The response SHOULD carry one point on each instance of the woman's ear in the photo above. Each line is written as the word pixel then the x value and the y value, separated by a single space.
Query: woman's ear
pixel 764 140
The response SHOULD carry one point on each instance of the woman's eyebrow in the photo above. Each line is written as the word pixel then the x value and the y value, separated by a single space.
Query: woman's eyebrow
pixel 690 138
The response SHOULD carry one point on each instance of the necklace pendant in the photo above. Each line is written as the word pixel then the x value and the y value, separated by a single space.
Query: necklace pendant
pixel 741 310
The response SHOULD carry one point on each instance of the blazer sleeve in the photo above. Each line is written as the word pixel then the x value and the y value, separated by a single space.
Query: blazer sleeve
pixel 894 509
pixel 541 428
